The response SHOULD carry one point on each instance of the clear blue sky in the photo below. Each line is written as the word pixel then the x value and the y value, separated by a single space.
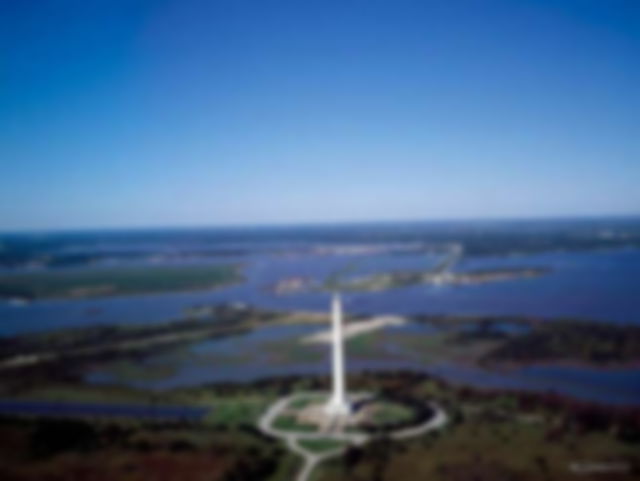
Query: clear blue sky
pixel 132 113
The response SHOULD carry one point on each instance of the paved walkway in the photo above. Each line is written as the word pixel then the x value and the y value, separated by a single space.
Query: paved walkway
pixel 311 459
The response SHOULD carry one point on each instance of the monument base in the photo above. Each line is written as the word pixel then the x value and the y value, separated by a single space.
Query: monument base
pixel 338 407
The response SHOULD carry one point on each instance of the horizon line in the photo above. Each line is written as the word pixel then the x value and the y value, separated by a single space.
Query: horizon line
pixel 319 223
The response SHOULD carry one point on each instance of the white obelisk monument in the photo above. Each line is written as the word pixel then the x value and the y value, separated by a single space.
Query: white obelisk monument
pixel 338 404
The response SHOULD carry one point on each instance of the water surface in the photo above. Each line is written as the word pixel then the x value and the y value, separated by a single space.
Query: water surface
pixel 600 285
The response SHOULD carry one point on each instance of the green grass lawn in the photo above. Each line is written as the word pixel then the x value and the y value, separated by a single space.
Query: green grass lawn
pixel 303 402
pixel 236 411
pixel 115 281
pixel 289 423
pixel 391 413
pixel 320 445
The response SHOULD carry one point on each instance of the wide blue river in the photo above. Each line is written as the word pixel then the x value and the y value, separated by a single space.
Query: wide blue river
pixel 602 285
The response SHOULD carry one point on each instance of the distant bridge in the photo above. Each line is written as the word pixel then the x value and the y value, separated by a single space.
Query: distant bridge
pixel 442 271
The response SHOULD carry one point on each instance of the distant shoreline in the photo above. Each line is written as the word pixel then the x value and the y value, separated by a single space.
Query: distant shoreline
pixel 243 227
pixel 90 283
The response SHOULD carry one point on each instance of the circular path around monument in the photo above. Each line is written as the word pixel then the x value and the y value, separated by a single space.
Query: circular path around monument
pixel 301 441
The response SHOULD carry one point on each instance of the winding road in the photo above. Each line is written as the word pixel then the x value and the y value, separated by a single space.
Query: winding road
pixel 311 459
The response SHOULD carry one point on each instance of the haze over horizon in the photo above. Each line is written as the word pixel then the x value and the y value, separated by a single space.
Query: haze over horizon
pixel 602 221
pixel 195 113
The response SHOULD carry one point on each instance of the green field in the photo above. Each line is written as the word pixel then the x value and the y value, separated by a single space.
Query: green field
pixel 115 281
pixel 391 413
pixel 236 411
pixel 320 445
pixel 287 422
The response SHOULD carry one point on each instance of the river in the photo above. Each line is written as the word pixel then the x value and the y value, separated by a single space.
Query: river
pixel 596 285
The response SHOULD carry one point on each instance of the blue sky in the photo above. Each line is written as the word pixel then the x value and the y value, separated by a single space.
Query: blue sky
pixel 131 113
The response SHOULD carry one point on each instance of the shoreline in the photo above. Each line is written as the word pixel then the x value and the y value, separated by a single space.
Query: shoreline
pixel 509 366
pixel 82 286
pixel 29 359
pixel 135 395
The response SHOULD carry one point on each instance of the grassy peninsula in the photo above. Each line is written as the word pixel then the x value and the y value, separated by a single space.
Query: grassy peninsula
pixel 81 283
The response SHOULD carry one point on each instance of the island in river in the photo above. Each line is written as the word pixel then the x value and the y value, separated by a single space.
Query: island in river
pixel 391 280
pixel 84 283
